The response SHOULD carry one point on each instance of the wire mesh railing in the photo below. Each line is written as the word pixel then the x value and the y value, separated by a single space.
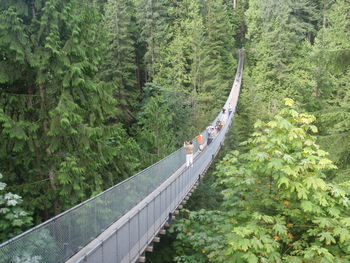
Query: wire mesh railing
pixel 58 239
pixel 129 237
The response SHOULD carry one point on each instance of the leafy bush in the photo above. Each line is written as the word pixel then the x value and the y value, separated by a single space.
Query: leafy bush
pixel 13 219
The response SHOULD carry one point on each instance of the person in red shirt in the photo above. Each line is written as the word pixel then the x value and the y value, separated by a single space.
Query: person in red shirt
pixel 200 142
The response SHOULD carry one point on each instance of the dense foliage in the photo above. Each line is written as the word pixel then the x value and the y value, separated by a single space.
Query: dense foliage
pixel 278 204
pixel 298 49
pixel 13 219
pixel 93 91
pixel 58 136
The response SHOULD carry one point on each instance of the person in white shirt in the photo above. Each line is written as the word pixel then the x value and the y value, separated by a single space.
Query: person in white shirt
pixel 229 108
pixel 223 116
pixel 189 153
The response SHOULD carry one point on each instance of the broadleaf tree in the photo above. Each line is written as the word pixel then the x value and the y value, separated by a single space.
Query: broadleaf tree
pixel 278 205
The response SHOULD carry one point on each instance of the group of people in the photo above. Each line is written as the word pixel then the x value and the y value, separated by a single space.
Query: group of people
pixel 211 131
pixel 220 123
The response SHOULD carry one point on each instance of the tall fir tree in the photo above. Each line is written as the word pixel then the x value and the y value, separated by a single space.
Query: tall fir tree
pixel 275 31
pixel 218 56
pixel 119 66
pixel 181 68
pixel 330 57
pixel 152 20
pixel 155 128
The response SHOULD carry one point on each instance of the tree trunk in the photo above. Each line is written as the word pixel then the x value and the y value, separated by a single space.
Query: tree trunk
pixel 234 4
pixel 45 131
pixel 324 20
pixel 33 9
pixel 40 174
pixel 56 205
pixel 309 37
pixel 42 108
pixel 137 74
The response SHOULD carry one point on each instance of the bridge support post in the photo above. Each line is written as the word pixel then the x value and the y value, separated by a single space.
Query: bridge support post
pixel 149 248
pixel 65 249
pixel 142 258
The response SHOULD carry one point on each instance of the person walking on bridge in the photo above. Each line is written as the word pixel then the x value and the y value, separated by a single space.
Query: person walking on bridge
pixel 224 116
pixel 200 142
pixel 229 109
pixel 189 153
pixel 211 133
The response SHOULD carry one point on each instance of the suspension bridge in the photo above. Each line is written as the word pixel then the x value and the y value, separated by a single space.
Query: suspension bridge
pixel 121 223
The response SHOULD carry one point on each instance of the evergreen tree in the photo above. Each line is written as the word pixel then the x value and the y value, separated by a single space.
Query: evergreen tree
pixel 237 11
pixel 156 133
pixel 276 29
pixel 55 112
pixel 181 67
pixel 313 71
pixel 218 56
pixel 151 17
pixel 180 58
pixel 330 57
pixel 119 65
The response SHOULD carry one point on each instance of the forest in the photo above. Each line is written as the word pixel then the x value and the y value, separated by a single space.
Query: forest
pixel 93 91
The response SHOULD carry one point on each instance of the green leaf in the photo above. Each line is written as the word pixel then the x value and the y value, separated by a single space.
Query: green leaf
pixel 307 206
pixel 315 183
pixel 251 258
pixel 280 229
pixel 289 102
pixel 327 237
pixel 283 181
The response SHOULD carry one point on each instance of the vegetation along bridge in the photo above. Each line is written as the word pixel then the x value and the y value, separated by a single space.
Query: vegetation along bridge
pixel 119 224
